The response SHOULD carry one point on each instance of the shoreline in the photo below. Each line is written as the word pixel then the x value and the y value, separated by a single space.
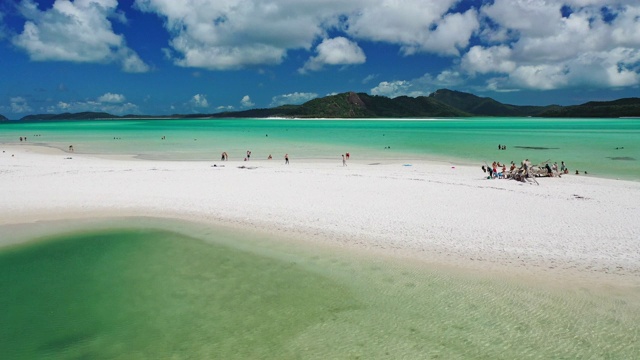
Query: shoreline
pixel 432 213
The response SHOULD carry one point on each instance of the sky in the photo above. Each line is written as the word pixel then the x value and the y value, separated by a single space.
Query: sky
pixel 165 57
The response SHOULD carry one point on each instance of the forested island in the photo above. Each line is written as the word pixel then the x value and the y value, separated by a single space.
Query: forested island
pixel 442 103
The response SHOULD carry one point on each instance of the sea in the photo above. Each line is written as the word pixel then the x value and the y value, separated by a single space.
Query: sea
pixel 140 288
pixel 600 147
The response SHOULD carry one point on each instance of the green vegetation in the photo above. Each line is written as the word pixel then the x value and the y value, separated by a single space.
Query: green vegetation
pixel 629 107
pixel 484 106
pixel 70 116
pixel 441 103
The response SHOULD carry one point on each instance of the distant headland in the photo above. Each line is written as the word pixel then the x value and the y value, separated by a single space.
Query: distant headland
pixel 442 103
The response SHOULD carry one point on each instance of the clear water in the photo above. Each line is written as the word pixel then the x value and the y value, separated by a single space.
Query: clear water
pixel 603 147
pixel 144 293
pixel 130 292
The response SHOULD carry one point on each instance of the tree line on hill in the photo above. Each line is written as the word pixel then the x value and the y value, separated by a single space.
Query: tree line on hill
pixel 442 103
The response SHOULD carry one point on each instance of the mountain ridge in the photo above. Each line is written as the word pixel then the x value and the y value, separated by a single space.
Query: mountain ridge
pixel 442 103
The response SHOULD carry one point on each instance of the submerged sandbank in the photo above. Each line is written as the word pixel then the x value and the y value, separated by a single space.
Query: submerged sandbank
pixel 148 287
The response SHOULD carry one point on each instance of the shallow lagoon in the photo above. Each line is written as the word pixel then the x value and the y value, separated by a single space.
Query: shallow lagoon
pixel 603 147
pixel 148 289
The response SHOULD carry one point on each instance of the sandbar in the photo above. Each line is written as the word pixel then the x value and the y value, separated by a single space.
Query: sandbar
pixel 576 226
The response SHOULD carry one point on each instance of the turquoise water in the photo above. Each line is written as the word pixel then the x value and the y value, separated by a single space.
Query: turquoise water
pixel 603 147
pixel 145 293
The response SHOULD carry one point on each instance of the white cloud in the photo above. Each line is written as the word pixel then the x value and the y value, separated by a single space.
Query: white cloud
pixel 415 25
pixel 19 105
pixel 233 34
pixel 447 78
pixel 487 60
pixel 295 98
pixel 76 31
pixel 98 105
pixel 421 86
pixel 391 88
pixel 336 51
pixel 199 101
pixel 111 98
pixel 452 33
pixel 535 45
pixel 369 78
pixel 246 101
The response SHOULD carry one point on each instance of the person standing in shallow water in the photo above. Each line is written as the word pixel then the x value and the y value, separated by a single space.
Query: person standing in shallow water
pixel 286 159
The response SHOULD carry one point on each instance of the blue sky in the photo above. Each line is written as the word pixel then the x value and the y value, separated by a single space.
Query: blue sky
pixel 207 56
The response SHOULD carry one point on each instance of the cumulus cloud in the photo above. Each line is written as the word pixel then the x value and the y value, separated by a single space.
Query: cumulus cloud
pixel 421 86
pixel 295 98
pixel 549 45
pixel 506 44
pixel 111 98
pixel 336 51
pixel 488 60
pixel 392 88
pixel 233 34
pixel 78 31
pixel 415 25
pixel 246 101
pixel 19 105
pixel 110 103
pixel 199 101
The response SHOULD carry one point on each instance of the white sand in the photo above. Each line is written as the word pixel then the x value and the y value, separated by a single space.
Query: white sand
pixel 430 211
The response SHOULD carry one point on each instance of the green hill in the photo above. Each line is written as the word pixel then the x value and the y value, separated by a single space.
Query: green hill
pixel 484 106
pixel 71 116
pixel 3 118
pixel 356 105
pixel 360 105
pixel 442 103
pixel 628 107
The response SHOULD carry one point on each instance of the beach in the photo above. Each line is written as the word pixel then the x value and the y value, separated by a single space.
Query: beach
pixel 114 256
pixel 440 213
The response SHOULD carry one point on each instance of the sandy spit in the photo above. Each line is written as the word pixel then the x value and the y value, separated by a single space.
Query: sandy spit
pixel 434 212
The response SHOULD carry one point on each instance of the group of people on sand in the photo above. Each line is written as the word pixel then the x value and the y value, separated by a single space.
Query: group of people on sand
pixel 525 170
pixel 497 170
pixel 224 157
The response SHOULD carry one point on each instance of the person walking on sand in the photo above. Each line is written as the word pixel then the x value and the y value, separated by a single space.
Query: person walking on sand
pixel 286 159
pixel 344 161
